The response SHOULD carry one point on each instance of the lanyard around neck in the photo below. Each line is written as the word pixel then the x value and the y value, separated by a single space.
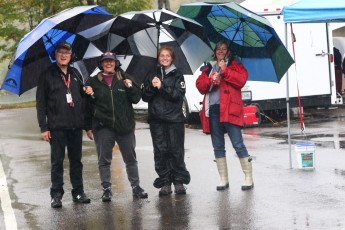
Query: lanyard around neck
pixel 67 82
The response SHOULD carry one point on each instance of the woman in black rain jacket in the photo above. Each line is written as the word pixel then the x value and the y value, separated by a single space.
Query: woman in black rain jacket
pixel 164 91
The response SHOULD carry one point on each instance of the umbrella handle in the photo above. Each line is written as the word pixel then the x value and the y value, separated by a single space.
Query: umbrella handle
pixel 211 87
pixel 81 81
pixel 213 81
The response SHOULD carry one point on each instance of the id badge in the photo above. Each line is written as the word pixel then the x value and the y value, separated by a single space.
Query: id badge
pixel 69 97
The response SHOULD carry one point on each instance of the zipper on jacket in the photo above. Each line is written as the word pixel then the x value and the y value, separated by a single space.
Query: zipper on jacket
pixel 112 105
pixel 112 99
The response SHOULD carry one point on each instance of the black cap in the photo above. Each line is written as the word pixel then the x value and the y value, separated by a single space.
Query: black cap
pixel 64 45
pixel 108 55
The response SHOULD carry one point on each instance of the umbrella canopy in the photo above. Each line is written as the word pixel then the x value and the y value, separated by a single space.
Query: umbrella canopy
pixel 250 36
pixel 33 54
pixel 315 11
pixel 136 36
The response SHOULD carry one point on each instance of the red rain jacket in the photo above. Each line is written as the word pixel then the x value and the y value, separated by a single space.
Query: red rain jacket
pixel 233 78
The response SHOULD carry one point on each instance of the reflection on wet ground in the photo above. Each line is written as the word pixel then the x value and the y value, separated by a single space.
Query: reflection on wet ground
pixel 333 138
pixel 330 136
pixel 283 197
pixel 340 172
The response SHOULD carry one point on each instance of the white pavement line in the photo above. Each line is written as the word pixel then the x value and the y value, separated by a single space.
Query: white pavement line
pixel 9 217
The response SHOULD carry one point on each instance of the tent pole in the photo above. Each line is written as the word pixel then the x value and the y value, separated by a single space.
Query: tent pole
pixel 288 103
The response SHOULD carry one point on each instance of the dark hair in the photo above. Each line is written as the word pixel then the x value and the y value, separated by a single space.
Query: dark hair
pixel 168 48
pixel 222 42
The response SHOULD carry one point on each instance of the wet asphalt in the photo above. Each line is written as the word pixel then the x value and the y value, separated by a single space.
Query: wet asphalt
pixel 284 197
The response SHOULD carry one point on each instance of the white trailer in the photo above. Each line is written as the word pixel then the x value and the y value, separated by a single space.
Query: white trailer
pixel 312 76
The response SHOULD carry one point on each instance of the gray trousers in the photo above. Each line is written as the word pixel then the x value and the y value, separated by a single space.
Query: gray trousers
pixel 105 139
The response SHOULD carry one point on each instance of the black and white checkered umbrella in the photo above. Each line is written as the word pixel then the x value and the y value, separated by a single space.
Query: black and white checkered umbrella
pixel 135 37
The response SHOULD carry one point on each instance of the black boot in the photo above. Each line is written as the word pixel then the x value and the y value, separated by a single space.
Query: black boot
pixel 138 192
pixel 107 194
pixel 180 189
pixel 165 190
pixel 81 198
pixel 56 201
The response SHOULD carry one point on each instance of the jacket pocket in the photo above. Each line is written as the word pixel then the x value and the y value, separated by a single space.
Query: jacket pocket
pixel 96 124
pixel 235 109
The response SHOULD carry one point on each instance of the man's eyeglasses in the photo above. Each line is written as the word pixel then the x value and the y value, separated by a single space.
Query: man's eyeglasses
pixel 64 53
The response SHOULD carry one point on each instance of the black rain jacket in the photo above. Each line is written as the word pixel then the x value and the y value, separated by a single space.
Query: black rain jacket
pixel 53 111
pixel 165 104
pixel 112 106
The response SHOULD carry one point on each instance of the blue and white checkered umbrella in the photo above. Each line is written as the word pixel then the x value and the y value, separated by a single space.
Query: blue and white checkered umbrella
pixel 33 54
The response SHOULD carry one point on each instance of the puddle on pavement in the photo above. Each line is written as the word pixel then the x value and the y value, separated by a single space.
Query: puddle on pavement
pixel 339 171
pixel 333 141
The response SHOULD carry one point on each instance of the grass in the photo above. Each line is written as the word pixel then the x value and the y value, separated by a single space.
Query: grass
pixel 18 105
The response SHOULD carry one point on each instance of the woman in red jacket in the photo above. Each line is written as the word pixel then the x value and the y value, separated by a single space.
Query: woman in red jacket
pixel 221 82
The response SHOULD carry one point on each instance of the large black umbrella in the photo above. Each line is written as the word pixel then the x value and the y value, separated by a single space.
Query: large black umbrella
pixel 136 36
pixel 33 54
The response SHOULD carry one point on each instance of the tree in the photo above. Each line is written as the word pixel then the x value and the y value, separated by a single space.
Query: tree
pixel 121 6
pixel 18 17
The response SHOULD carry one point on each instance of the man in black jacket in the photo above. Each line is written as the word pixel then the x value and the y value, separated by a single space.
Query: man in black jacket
pixel 60 108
